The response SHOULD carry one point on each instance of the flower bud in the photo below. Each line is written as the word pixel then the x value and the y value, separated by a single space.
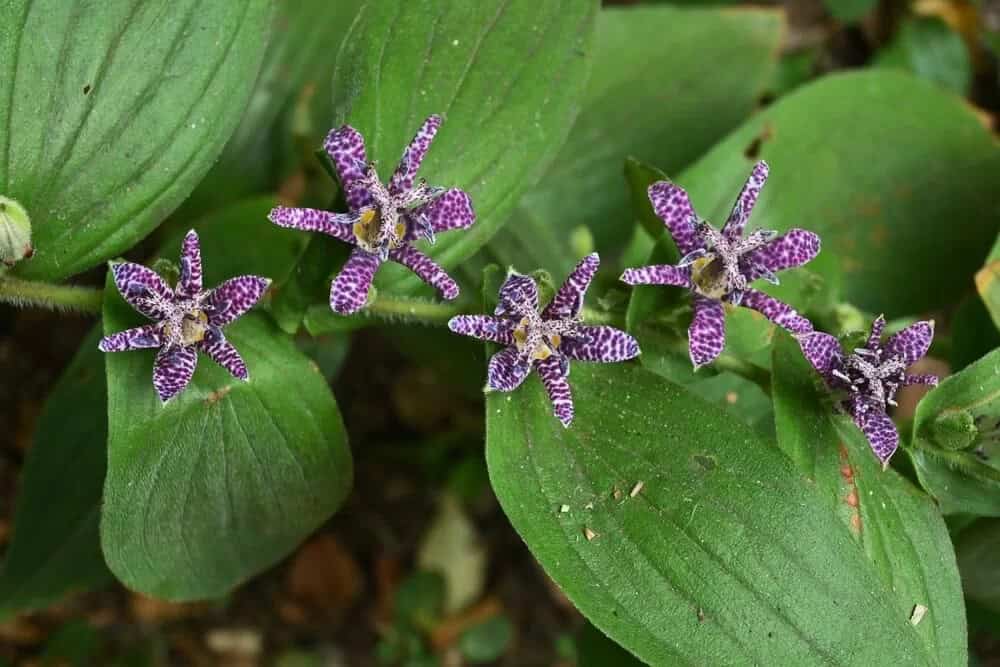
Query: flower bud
pixel 15 232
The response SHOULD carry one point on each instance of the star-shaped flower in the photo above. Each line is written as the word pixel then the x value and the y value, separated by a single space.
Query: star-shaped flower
pixel 718 266
pixel 186 318
pixel 871 375
pixel 382 221
pixel 545 340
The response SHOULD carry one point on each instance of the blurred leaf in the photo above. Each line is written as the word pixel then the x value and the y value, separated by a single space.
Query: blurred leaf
pixel 452 547
pixel 988 283
pixel 74 643
pixel 596 650
pixel 487 641
pixel 794 69
pixel 667 83
pixel 55 547
pixel 491 69
pixel 831 173
pixel 931 50
pixel 973 333
pixel 117 109
pixel 420 599
pixel 725 550
pixel 849 11
pixel 899 528
pixel 977 549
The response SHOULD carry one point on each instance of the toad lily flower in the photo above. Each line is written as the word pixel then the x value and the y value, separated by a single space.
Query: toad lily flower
pixel 718 266
pixel 545 340
pixel 871 375
pixel 186 318
pixel 383 221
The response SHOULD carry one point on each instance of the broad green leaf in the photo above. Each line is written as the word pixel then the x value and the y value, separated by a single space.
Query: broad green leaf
pixel 886 215
pixel 657 93
pixel 899 528
pixel 988 283
pixel 849 10
pixel 973 333
pixel 929 48
pixel 724 555
pixel 507 75
pixel 956 434
pixel 114 111
pixel 977 548
pixel 227 478
pixel 55 548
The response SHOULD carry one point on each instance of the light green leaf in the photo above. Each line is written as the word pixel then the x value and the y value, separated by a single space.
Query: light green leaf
pixel 113 113
pixel 507 75
pixel 988 283
pixel 832 171
pixel 899 528
pixel 724 554
pixel 929 48
pixel 55 548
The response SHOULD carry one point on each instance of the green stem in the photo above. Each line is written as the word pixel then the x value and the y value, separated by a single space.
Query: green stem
pixel 427 312
pixel 25 293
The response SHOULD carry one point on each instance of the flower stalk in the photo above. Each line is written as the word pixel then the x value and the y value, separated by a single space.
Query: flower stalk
pixel 64 298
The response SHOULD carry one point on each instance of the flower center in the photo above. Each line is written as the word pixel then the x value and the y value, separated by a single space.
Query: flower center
pixel 715 269
pixel 875 379
pixel 186 327
pixel 539 339
pixel 378 232
pixel 382 226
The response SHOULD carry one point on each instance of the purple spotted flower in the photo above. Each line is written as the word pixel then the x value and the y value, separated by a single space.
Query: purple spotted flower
pixel 545 340
pixel 382 221
pixel 871 375
pixel 718 266
pixel 186 318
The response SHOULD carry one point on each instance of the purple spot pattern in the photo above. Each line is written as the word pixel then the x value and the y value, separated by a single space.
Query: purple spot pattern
pixel 416 209
pixel 673 207
pixel 338 225
pixel 777 311
pixel 406 171
pixel 186 318
pixel 546 340
pixel 707 334
pixel 349 291
pixel 191 274
pixel 794 248
pixel 746 200
pixel 658 274
pixel 428 270
pixel 568 300
pixel 173 370
pixel 870 376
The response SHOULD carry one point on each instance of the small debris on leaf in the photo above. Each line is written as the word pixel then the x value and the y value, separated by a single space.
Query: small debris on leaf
pixel 918 613
pixel 589 534
pixel 637 489
pixel 564 508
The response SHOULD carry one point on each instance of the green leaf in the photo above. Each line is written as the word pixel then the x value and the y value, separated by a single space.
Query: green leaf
pixel 977 558
pixel 988 283
pixel 227 478
pixel 487 641
pixel 596 650
pixel 929 48
pixel 962 413
pixel 973 333
pixel 831 172
pixel 114 111
pixel 724 552
pixel 899 528
pixel 656 93
pixel 55 548
pixel 849 11
pixel 507 75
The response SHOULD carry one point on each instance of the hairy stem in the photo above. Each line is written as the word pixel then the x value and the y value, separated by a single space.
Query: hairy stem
pixel 67 298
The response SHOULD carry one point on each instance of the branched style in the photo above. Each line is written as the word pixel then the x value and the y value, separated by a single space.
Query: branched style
pixel 870 376
pixel 383 221
pixel 718 266
pixel 186 318
pixel 546 339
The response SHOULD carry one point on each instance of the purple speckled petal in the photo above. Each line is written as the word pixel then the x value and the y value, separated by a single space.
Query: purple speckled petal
pixel 875 337
pixel 789 250
pixel 554 379
pixel 484 327
pixel 428 270
pixel 517 294
pixel 450 210
pixel 778 312
pixel 658 274
pixel 346 148
pixel 338 225
pixel 132 339
pixel 931 380
pixel 672 205
pixel 822 351
pixel 912 342
pixel 190 282
pixel 222 352
pixel 707 333
pixel 506 370
pixel 143 289
pixel 402 178
pixel 234 297
pixel 349 291
pixel 172 370
pixel 746 200
pixel 568 300
pixel 604 344
pixel 878 428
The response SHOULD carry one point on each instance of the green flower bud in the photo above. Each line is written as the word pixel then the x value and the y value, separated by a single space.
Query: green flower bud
pixel 955 430
pixel 15 232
